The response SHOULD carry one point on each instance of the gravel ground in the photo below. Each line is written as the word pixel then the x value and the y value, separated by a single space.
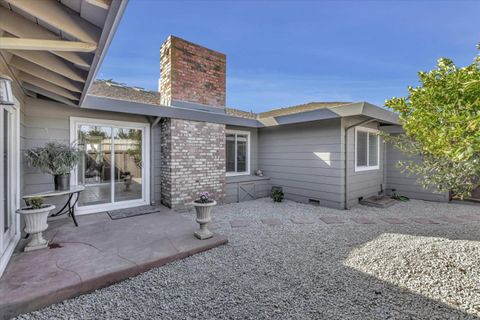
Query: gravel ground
pixel 308 271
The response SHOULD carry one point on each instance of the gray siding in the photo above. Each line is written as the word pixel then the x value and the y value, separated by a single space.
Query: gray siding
pixel 46 121
pixel 404 183
pixel 260 187
pixel 295 157
pixel 253 145
pixel 361 183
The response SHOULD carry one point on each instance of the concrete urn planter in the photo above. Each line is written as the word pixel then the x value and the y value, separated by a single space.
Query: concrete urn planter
pixel 35 224
pixel 204 216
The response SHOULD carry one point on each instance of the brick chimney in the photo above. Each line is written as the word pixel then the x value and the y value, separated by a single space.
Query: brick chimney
pixel 191 73
pixel 192 152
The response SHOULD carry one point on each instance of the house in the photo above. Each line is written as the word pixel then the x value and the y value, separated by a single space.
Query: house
pixel 176 142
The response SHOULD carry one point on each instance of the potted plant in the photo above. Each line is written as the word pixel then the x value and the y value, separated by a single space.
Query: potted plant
pixel 36 214
pixel 56 159
pixel 203 207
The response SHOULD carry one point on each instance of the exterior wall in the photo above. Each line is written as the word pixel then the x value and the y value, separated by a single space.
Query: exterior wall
pixel 305 160
pixel 189 72
pixel 362 183
pixel 404 184
pixel 193 160
pixel 46 121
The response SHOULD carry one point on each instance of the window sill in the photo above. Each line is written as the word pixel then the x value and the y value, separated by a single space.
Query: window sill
pixel 362 169
pixel 235 174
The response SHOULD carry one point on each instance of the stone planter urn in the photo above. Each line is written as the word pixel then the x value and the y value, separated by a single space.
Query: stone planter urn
pixel 35 224
pixel 204 216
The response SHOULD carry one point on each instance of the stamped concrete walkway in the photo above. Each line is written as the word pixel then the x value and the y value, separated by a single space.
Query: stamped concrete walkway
pixel 96 254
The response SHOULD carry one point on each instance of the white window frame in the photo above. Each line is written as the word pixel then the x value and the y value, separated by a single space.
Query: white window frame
pixel 367 167
pixel 75 123
pixel 238 132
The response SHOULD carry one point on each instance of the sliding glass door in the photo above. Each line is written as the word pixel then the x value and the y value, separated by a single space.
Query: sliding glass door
pixel 114 164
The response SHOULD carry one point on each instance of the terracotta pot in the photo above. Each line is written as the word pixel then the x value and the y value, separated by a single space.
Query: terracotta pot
pixel 35 224
pixel 204 216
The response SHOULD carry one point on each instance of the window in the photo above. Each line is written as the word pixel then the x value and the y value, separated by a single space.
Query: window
pixel 237 145
pixel 367 147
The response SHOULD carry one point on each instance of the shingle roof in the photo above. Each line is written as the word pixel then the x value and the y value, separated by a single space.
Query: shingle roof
pixel 110 89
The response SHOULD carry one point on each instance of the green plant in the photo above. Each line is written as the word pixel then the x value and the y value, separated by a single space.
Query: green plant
pixel 441 119
pixel 277 195
pixel 399 197
pixel 54 158
pixel 35 202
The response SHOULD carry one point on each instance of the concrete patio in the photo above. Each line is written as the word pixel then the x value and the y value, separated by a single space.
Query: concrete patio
pixel 98 253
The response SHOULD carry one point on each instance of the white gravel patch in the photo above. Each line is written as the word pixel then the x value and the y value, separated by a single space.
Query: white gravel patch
pixel 440 269
pixel 307 271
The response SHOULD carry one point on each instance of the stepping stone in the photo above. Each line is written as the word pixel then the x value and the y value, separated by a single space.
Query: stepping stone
pixel 363 220
pixel 449 219
pixel 393 220
pixel 424 221
pixel 272 221
pixel 332 220
pixel 238 223
pixel 469 217
pixel 301 220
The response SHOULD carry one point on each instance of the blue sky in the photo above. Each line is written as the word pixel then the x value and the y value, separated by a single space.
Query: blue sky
pixel 282 53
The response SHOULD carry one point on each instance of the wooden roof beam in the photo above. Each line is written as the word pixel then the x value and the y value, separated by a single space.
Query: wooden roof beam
pixel 48 75
pixel 21 27
pixel 61 17
pixel 48 94
pixel 45 45
pixel 28 78
pixel 51 62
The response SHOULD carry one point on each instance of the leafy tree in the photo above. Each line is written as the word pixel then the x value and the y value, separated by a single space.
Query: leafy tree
pixel 441 119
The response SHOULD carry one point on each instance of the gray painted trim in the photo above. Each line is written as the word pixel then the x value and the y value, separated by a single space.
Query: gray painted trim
pixel 123 106
pixel 219 116
pixel 320 114
pixel 197 106
pixel 115 13
pixel 346 110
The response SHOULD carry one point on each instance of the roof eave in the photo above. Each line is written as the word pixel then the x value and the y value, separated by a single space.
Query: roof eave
pixel 115 13
pixel 154 110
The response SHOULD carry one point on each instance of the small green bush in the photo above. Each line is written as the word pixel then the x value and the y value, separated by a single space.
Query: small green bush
pixel 277 195
pixel 35 202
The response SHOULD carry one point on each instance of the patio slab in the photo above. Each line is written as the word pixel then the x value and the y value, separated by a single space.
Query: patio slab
pixel 96 254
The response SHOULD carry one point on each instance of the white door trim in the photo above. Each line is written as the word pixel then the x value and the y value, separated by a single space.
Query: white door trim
pixel 75 122
pixel 6 250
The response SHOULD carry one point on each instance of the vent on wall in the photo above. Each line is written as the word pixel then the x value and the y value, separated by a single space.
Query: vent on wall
pixel 314 202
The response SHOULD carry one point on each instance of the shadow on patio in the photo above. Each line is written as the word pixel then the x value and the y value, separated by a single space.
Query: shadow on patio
pixel 98 253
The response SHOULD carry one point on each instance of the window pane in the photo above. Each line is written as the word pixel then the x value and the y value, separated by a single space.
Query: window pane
pixel 94 170
pixel 373 149
pixel 362 148
pixel 230 153
pixel 241 153
pixel 128 164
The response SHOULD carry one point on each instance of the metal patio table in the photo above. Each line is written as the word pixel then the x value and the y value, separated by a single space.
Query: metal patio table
pixel 73 191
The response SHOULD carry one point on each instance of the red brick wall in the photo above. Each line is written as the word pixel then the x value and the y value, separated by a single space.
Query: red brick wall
pixel 192 73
